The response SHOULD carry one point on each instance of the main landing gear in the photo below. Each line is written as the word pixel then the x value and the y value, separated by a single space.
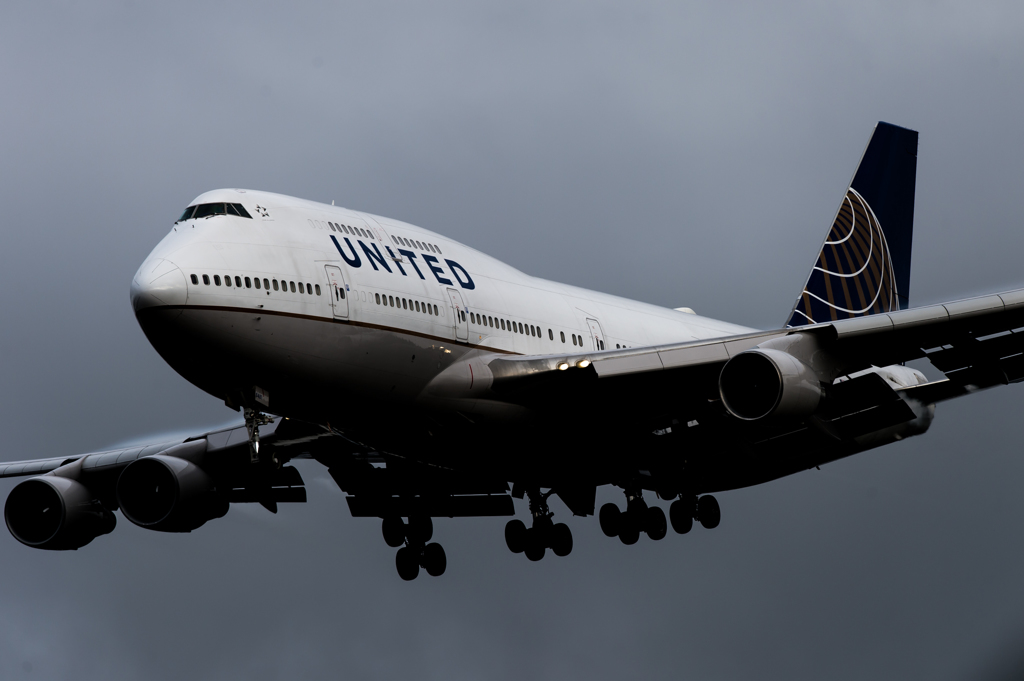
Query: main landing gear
pixel 415 552
pixel 639 517
pixel 543 535
pixel 688 508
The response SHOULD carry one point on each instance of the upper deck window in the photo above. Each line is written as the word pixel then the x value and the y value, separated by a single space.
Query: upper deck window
pixel 206 210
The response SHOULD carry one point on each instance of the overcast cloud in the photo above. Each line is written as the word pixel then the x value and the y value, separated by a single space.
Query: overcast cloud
pixel 678 153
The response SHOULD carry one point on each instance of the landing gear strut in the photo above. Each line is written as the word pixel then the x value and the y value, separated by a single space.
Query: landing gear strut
pixel 415 552
pixel 253 421
pixel 543 534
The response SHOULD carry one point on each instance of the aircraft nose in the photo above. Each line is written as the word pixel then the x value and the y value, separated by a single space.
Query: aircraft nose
pixel 159 282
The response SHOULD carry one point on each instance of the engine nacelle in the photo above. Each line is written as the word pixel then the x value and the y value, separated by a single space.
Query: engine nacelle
pixel 168 494
pixel 765 382
pixel 56 513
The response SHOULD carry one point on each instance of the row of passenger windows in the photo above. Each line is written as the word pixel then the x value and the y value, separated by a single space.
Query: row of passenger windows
pixel 415 305
pixel 392 301
pixel 412 243
pixel 205 210
pixel 346 229
pixel 520 327
pixel 256 282
pixel 360 231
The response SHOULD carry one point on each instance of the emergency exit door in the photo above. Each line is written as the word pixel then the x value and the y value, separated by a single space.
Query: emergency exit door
pixel 336 289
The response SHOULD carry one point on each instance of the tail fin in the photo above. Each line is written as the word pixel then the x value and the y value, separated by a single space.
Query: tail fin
pixel 864 264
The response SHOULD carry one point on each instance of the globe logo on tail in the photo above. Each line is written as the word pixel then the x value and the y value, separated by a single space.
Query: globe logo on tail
pixel 854 274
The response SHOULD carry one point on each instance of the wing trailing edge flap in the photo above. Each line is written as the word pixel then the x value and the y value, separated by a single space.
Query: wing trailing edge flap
pixel 861 405
pixel 404 489
pixel 977 342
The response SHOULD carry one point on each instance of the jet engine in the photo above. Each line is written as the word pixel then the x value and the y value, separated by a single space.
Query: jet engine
pixel 765 382
pixel 56 513
pixel 168 494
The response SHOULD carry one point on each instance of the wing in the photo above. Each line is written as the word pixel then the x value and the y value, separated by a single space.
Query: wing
pixel 977 343
pixel 178 486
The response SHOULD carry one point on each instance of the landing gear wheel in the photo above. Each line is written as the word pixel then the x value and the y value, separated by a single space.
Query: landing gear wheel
pixel 654 523
pixel 561 540
pixel 534 545
pixel 629 533
pixel 515 536
pixel 420 529
pixel 708 512
pixel 407 563
pixel 611 520
pixel 394 531
pixel 681 516
pixel 434 560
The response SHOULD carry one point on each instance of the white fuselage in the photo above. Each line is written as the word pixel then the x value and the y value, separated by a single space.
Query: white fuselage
pixel 290 240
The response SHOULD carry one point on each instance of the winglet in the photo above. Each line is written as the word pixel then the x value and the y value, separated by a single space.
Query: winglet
pixel 864 265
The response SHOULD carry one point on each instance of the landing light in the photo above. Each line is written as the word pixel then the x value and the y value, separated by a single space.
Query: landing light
pixel 562 366
pixel 583 363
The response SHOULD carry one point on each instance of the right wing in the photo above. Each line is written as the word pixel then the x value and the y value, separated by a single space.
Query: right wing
pixel 977 343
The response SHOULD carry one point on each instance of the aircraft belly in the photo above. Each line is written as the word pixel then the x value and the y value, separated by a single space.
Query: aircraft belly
pixel 307 365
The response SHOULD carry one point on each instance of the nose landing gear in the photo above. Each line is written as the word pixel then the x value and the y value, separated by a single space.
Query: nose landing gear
pixel 415 552
pixel 543 535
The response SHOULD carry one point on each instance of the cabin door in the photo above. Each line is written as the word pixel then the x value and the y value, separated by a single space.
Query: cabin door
pixel 336 289
pixel 461 321
pixel 596 334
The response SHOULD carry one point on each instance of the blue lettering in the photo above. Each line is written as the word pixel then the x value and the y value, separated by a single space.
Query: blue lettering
pixel 397 263
pixel 432 264
pixel 455 268
pixel 371 256
pixel 412 261
pixel 354 263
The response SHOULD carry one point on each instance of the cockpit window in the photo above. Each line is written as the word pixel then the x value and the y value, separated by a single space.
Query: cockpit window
pixel 205 210
pixel 239 210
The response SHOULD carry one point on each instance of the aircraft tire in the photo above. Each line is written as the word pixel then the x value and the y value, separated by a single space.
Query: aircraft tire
pixel 534 545
pixel 611 520
pixel 434 559
pixel 629 534
pixel 561 540
pixel 407 563
pixel 515 535
pixel 654 523
pixel 708 512
pixel 393 529
pixel 681 517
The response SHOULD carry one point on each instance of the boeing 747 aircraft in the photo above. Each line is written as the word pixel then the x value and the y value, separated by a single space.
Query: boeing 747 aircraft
pixel 433 380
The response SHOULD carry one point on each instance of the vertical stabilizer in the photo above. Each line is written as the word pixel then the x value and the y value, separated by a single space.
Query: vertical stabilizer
pixel 864 264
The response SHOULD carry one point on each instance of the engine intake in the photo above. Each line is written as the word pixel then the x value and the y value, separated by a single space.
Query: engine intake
pixel 765 382
pixel 168 494
pixel 56 513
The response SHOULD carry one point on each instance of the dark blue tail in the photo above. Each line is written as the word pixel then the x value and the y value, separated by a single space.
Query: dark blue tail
pixel 864 264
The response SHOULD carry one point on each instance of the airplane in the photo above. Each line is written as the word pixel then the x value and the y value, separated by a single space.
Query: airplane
pixel 435 381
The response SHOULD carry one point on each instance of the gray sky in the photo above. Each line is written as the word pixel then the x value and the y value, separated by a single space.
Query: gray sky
pixel 682 155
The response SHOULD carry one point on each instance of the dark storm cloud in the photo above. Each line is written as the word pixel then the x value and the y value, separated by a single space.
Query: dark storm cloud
pixel 683 155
